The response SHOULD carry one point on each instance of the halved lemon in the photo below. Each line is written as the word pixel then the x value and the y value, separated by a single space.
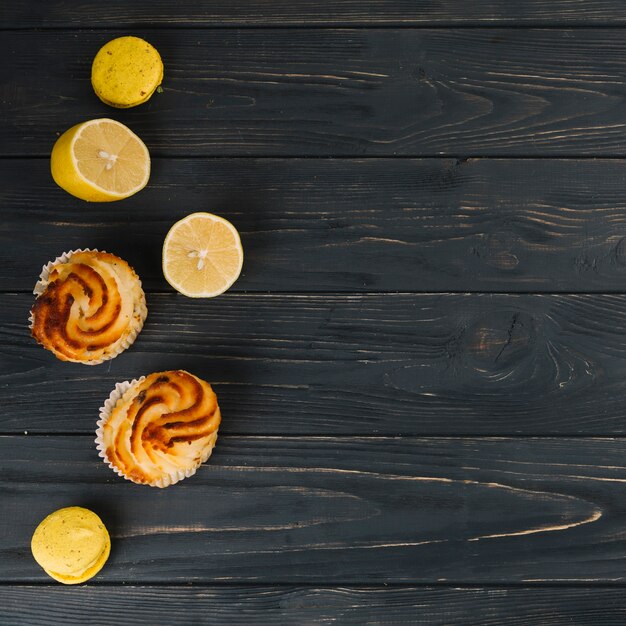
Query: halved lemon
pixel 202 255
pixel 100 161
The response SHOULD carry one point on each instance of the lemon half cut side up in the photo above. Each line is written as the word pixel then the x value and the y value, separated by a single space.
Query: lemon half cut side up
pixel 202 255
pixel 100 161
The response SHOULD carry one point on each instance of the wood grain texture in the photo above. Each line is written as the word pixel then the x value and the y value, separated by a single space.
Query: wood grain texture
pixel 217 13
pixel 335 92
pixel 347 225
pixel 297 519
pixel 289 606
pixel 336 511
pixel 335 364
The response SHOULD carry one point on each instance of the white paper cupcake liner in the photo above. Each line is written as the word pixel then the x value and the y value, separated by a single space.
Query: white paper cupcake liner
pixel 105 413
pixel 42 283
pixel 140 309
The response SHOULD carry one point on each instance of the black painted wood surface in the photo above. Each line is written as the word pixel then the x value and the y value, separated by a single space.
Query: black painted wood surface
pixel 349 224
pixel 335 92
pixel 425 606
pixel 391 364
pixel 399 445
pixel 337 510
pixel 306 13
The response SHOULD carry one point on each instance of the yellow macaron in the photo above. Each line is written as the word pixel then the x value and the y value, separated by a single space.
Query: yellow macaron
pixel 126 72
pixel 71 545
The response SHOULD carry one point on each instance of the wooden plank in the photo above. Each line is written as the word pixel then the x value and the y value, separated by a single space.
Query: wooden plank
pixel 474 92
pixel 189 13
pixel 431 606
pixel 347 225
pixel 282 510
pixel 335 364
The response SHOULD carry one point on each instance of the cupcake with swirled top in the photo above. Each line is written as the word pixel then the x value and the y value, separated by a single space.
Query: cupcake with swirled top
pixel 90 307
pixel 158 429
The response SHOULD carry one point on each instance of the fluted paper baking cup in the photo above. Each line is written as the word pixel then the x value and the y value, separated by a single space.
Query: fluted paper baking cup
pixel 105 413
pixel 136 323
pixel 44 277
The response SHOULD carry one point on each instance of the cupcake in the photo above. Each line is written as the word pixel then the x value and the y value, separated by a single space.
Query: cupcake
pixel 158 429
pixel 90 307
pixel 71 545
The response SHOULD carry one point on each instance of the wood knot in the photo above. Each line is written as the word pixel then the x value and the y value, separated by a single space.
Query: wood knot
pixel 500 339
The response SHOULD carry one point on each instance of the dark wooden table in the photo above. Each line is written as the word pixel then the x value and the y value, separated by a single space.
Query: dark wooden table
pixel 422 368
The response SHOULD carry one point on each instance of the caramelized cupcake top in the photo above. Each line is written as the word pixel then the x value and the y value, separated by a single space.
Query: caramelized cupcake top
pixel 90 307
pixel 157 430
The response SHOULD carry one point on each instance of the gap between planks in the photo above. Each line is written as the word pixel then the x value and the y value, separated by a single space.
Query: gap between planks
pixel 348 436
pixel 402 25
pixel 365 294
pixel 356 157
pixel 458 585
